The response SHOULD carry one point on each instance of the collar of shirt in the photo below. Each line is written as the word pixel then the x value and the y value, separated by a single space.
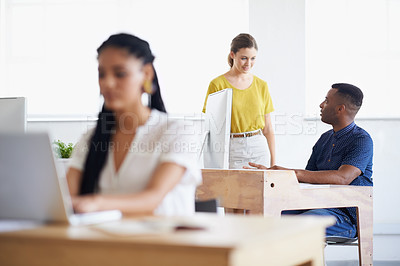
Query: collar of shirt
pixel 343 131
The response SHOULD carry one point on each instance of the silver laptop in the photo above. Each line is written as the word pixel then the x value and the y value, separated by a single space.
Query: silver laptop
pixel 30 188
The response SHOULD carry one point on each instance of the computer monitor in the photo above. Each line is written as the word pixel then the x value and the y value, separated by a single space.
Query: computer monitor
pixel 218 113
pixel 13 115
pixel 212 130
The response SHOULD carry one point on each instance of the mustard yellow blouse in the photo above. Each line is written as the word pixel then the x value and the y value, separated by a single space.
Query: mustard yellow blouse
pixel 249 106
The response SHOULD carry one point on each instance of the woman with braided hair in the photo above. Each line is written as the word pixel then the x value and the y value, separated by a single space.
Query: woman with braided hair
pixel 133 160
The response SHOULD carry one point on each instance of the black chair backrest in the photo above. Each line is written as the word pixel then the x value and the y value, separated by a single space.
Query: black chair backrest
pixel 206 206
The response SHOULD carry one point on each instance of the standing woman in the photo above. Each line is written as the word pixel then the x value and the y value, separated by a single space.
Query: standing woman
pixel 132 161
pixel 252 135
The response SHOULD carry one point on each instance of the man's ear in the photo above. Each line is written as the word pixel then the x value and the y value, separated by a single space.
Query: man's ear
pixel 341 108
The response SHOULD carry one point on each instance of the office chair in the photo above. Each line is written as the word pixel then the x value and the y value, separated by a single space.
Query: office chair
pixel 206 206
pixel 341 241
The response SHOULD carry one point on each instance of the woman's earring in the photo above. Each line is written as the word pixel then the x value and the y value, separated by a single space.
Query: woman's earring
pixel 148 87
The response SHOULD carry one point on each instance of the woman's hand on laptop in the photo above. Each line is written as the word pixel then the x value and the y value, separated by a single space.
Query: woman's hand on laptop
pixel 87 203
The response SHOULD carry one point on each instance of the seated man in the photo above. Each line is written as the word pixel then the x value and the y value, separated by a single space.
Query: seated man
pixel 341 156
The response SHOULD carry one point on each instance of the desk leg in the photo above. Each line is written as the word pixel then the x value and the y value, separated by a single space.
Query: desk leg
pixel 365 235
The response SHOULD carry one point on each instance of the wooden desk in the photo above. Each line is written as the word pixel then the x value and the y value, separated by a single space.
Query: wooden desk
pixel 269 192
pixel 229 240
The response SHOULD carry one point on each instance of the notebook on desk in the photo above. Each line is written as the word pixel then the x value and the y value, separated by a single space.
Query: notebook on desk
pixel 30 188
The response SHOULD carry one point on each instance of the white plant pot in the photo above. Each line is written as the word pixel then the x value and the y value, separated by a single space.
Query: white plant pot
pixel 63 165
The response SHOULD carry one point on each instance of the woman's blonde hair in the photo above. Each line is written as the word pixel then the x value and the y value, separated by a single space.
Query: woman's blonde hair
pixel 243 40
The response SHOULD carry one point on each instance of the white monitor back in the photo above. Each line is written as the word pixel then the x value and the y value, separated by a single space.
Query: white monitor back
pixel 13 115
pixel 218 111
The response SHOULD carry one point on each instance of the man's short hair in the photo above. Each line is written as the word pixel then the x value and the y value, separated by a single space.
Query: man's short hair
pixel 352 94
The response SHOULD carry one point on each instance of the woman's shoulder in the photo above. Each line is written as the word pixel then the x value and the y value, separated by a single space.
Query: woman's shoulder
pixel 87 136
pixel 81 149
pixel 260 84
pixel 218 80
pixel 258 80
pixel 173 132
pixel 218 83
pixel 163 124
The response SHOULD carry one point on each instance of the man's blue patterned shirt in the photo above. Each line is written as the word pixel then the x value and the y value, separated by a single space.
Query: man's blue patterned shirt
pixel 351 145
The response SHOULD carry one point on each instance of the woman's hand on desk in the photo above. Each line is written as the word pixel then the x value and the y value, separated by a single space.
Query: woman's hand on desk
pixel 257 166
pixel 262 167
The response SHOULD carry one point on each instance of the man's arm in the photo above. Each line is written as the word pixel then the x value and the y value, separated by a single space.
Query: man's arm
pixel 343 176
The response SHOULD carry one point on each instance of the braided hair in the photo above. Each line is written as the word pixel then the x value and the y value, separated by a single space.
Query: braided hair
pixel 100 142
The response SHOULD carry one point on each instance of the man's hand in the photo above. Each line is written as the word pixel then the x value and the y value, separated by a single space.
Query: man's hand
pixel 343 176
pixel 277 167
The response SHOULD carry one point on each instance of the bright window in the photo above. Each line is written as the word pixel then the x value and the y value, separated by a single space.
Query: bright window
pixel 357 42
pixel 48 48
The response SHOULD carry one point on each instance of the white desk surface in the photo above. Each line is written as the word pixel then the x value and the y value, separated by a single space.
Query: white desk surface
pixel 229 240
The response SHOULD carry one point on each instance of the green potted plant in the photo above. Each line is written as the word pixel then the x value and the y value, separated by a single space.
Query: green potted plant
pixel 63 152
pixel 62 149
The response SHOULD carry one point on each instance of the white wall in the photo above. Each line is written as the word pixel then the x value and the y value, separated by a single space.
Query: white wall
pixel 66 131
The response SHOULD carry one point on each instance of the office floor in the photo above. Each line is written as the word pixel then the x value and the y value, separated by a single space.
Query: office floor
pixel 386 252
